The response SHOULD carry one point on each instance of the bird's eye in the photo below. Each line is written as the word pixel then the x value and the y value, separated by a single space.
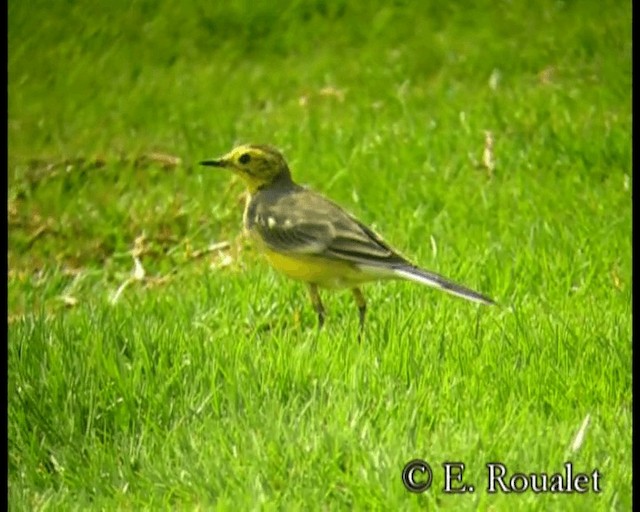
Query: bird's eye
pixel 244 158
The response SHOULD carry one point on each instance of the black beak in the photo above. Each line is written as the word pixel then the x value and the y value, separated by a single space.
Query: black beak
pixel 214 163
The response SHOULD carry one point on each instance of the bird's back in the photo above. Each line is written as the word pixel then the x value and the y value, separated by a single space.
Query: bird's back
pixel 293 219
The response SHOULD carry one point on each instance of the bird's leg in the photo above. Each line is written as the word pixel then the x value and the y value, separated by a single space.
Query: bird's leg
pixel 317 304
pixel 362 308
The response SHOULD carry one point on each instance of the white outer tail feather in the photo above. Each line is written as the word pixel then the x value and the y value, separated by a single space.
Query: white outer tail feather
pixel 437 281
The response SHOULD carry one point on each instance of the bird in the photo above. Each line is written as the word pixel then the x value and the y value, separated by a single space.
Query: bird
pixel 309 238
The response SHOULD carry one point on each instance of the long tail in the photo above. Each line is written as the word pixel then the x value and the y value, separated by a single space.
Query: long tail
pixel 437 281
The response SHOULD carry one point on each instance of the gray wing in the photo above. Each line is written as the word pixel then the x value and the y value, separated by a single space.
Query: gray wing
pixel 307 223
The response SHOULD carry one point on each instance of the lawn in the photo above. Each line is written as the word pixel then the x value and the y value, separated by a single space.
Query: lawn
pixel 156 363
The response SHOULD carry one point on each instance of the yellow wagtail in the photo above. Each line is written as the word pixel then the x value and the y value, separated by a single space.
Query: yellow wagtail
pixel 309 238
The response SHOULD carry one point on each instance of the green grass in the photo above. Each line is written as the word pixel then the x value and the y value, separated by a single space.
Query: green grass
pixel 205 384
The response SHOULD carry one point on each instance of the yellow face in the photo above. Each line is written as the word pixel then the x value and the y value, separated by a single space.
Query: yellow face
pixel 257 165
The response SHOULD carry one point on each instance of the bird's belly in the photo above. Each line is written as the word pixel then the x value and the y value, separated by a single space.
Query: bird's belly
pixel 320 271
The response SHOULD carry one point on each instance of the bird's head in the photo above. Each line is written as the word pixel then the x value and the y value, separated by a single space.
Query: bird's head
pixel 257 165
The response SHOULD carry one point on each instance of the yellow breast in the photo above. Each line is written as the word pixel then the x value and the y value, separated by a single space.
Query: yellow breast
pixel 313 269
pixel 324 272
